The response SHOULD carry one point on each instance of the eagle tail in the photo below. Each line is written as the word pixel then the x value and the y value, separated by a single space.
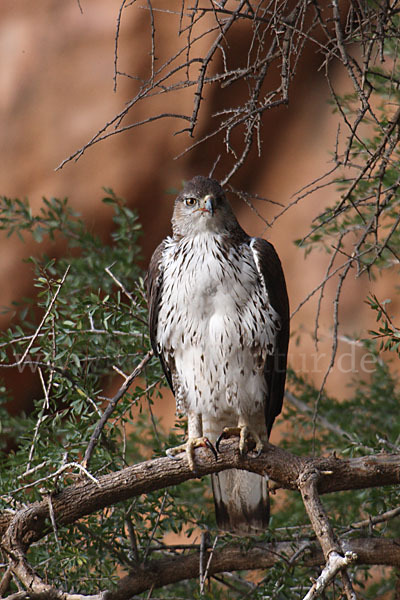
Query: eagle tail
pixel 241 501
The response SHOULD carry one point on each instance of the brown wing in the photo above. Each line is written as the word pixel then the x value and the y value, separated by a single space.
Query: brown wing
pixel 275 367
pixel 154 285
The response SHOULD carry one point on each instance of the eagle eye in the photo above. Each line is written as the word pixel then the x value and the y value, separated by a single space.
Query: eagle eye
pixel 190 201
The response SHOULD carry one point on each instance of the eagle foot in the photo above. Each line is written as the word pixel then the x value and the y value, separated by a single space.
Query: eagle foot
pixel 244 433
pixel 189 448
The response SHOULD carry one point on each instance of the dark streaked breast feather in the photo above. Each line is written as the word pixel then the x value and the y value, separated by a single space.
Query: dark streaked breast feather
pixel 154 283
pixel 275 366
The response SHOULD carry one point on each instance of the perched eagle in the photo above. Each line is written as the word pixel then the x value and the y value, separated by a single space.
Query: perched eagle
pixel 219 323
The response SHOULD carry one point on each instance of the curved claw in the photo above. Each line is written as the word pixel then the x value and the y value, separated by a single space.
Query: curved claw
pixel 227 432
pixel 209 445
pixel 244 432
pixel 170 453
pixel 221 437
pixel 259 451
pixel 188 448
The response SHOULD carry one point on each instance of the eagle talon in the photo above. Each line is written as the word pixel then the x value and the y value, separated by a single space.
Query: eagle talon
pixel 258 451
pixel 170 452
pixel 226 433
pixel 219 440
pixel 209 445
pixel 188 448
pixel 243 432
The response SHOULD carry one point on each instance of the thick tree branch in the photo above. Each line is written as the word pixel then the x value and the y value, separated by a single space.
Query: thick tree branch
pixel 159 572
pixel 233 557
pixel 308 487
pixel 283 467
pixel 20 529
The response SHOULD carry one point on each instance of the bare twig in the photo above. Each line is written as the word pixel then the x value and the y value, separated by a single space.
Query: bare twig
pixel 335 563
pixel 120 285
pixel 117 29
pixel 386 516
pixel 324 422
pixel 56 474
pixel 111 406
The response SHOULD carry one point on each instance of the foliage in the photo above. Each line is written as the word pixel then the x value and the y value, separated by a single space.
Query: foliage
pixel 86 328
pixel 362 236
pixel 97 322
pixel 388 333
pixel 94 324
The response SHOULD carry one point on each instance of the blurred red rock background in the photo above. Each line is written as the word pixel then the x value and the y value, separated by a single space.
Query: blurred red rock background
pixel 56 81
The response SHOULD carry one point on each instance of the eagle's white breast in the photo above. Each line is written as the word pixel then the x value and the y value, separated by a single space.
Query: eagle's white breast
pixel 216 321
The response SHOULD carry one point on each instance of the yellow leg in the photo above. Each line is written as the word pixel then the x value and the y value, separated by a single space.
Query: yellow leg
pixel 195 440
pixel 244 432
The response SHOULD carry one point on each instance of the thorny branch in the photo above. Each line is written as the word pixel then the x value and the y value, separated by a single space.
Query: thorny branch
pixel 275 39
pixel 312 476
pixel 111 406
pixel 275 36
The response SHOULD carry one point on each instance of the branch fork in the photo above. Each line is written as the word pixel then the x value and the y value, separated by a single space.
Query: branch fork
pixel 336 560
pixel 312 476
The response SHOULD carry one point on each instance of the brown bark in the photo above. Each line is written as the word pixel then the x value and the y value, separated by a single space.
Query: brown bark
pixel 283 467
pixel 158 573
pixel 310 475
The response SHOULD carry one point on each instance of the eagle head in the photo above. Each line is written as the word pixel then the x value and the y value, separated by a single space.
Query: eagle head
pixel 202 206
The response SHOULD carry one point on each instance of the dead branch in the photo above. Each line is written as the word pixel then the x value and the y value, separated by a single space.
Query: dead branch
pixel 277 35
pixel 335 559
pixel 334 564
pixel 283 467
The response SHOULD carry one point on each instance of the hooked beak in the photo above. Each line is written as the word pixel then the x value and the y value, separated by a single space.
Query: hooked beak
pixel 208 204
